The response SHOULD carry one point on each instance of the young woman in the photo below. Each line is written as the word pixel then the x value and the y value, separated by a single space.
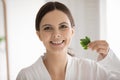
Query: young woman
pixel 55 28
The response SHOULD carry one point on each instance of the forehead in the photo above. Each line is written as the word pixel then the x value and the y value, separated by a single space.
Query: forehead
pixel 55 17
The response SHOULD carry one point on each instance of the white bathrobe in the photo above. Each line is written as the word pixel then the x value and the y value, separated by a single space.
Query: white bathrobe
pixel 77 69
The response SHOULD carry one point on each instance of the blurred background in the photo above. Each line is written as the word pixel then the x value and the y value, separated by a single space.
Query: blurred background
pixel 97 19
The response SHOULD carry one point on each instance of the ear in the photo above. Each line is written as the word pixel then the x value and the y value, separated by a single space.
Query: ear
pixel 73 31
pixel 38 34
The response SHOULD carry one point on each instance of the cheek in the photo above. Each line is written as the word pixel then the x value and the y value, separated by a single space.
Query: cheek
pixel 68 34
pixel 45 37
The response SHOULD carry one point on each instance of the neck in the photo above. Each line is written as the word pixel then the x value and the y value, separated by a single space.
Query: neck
pixel 55 62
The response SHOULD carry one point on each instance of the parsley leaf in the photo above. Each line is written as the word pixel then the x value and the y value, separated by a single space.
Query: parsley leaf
pixel 84 42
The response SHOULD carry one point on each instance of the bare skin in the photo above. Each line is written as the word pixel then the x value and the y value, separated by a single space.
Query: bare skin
pixel 56 66
pixel 101 47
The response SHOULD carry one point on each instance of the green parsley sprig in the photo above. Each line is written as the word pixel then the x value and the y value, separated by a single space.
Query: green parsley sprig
pixel 84 42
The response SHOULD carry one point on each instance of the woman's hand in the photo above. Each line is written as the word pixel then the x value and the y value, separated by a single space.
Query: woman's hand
pixel 100 46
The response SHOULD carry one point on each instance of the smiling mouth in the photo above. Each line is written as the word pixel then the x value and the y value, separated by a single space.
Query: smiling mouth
pixel 57 42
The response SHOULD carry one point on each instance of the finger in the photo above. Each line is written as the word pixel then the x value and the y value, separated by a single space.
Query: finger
pixel 102 52
pixel 100 57
pixel 98 42
pixel 99 46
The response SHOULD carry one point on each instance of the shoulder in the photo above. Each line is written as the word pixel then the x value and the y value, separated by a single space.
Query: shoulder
pixel 30 71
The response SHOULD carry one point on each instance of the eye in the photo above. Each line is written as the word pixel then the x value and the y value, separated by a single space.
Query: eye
pixel 48 28
pixel 63 27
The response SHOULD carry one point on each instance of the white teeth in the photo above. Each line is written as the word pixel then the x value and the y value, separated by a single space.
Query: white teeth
pixel 57 42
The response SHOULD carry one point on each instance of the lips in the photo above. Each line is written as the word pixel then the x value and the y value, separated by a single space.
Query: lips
pixel 57 42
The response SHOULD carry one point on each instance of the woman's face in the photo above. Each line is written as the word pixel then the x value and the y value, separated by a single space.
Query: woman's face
pixel 55 31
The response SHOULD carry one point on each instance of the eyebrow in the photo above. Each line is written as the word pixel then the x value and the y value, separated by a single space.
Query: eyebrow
pixel 63 23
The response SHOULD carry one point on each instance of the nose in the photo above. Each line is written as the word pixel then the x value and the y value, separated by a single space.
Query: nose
pixel 57 34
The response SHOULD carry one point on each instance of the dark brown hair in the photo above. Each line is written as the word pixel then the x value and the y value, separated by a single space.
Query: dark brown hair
pixel 48 7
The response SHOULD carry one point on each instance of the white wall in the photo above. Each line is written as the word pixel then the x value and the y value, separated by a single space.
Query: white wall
pixel 24 45
pixel 113 24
